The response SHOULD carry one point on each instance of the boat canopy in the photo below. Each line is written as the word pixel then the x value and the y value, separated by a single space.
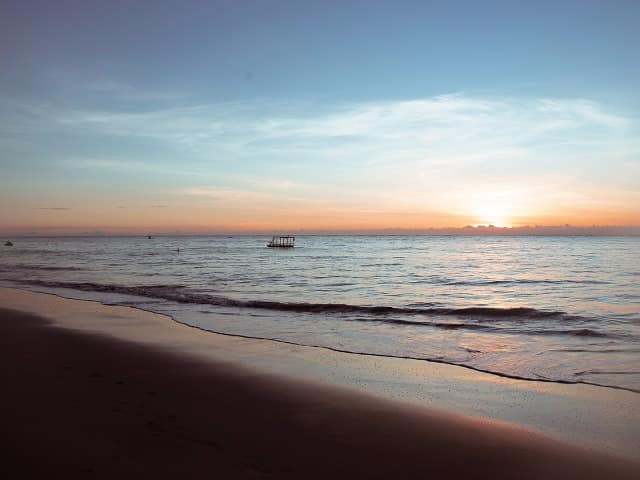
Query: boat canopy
pixel 282 241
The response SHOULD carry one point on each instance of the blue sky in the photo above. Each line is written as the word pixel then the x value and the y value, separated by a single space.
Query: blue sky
pixel 231 115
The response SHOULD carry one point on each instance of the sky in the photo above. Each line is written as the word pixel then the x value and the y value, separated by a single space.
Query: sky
pixel 211 116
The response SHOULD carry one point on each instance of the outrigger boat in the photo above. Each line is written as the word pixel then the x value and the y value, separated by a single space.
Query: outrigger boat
pixel 286 241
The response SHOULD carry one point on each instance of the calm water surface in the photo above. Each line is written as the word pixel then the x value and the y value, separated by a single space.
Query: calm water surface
pixel 553 308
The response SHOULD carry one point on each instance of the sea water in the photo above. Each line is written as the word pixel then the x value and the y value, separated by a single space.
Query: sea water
pixel 547 308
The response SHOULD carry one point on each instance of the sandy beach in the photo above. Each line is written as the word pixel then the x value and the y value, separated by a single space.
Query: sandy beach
pixel 97 391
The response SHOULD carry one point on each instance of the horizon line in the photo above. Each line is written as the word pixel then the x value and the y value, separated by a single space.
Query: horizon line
pixel 468 230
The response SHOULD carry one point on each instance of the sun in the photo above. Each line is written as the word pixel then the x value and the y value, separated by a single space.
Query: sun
pixel 492 214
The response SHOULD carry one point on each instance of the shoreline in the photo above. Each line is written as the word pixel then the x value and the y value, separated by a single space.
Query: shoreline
pixel 325 347
pixel 338 372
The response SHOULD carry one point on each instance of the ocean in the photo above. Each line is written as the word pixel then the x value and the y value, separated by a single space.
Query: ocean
pixel 562 309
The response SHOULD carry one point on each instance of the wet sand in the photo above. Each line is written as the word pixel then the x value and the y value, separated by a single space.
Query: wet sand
pixel 83 403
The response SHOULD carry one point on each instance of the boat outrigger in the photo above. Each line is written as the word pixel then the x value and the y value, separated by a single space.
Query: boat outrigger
pixel 286 241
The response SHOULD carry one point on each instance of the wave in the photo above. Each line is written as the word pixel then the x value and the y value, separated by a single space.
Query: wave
pixel 607 372
pixel 523 281
pixel 13 268
pixel 180 294
pixel 581 332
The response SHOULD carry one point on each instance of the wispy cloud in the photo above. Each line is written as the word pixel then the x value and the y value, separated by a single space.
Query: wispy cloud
pixel 129 166
pixel 85 84
pixel 449 127
pixel 127 92
pixel 218 193
pixel 432 154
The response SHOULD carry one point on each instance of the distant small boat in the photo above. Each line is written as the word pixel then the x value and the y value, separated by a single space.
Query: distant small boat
pixel 8 243
pixel 149 237
pixel 286 241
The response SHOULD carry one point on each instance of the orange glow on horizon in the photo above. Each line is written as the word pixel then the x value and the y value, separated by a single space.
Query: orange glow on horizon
pixel 201 220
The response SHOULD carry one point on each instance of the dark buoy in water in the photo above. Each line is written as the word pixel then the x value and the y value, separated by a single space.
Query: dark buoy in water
pixel 8 243
pixel 149 237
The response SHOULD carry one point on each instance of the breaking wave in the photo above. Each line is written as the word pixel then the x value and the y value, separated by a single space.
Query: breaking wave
pixel 365 313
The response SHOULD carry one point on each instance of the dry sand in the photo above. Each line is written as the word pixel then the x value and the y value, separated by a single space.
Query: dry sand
pixel 98 391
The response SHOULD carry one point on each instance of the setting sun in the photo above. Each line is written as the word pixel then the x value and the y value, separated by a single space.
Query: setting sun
pixel 493 214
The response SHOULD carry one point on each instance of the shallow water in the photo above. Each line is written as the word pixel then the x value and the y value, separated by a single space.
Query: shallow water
pixel 552 308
